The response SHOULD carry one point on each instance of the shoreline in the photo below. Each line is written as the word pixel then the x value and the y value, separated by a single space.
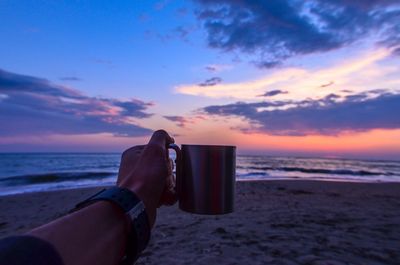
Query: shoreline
pixel 275 221
pixel 237 181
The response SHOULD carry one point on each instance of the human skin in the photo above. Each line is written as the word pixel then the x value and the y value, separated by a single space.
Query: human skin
pixel 97 234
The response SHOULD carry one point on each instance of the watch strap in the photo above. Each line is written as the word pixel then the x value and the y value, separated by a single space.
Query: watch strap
pixel 124 198
pixel 135 209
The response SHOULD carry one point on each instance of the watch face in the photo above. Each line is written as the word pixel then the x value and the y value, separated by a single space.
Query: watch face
pixel 136 210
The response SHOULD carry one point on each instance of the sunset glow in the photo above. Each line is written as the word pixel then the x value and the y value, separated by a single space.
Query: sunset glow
pixel 74 78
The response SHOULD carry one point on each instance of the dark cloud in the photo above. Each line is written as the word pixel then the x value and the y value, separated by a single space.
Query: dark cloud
pixel 278 29
pixel 131 108
pixel 267 64
pixel 211 68
pixel 327 84
pixel 346 91
pixel 396 52
pixel 211 82
pixel 273 93
pixel 180 32
pixel 70 78
pixel 183 32
pixel 179 120
pixel 34 106
pixel 329 116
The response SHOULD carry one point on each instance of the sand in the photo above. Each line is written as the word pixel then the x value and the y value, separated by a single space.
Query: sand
pixel 275 222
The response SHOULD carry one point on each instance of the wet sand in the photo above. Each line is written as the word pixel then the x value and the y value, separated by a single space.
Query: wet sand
pixel 275 222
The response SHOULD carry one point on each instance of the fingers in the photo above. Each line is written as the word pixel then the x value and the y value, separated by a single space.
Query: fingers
pixel 169 196
pixel 157 146
pixel 129 159
pixel 156 154
pixel 161 138
pixel 131 155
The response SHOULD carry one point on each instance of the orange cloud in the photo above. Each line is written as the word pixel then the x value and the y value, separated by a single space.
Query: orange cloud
pixel 358 73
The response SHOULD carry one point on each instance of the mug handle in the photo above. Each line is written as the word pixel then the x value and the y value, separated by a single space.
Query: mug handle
pixel 178 169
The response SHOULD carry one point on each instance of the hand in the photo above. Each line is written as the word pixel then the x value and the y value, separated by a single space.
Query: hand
pixel 129 160
pixel 147 171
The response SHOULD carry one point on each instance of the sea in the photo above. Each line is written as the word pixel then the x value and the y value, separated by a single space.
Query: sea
pixel 33 172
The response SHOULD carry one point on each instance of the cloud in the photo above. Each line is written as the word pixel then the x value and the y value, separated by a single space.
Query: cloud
pixel 273 31
pixel 218 67
pixel 396 51
pixel 183 32
pixel 273 93
pixel 211 82
pixel 361 71
pixel 179 32
pixel 327 84
pixel 70 78
pixel 34 106
pixel 267 64
pixel 211 68
pixel 330 115
pixel 179 120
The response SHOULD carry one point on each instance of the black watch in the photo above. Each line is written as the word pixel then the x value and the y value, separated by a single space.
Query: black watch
pixel 134 208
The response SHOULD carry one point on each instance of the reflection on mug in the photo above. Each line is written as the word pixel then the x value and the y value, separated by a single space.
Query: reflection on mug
pixel 205 178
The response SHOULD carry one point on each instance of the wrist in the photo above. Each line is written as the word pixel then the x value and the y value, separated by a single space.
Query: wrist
pixel 142 194
pixel 122 201
pixel 114 210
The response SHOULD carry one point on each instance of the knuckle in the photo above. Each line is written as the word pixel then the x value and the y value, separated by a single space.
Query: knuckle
pixel 161 132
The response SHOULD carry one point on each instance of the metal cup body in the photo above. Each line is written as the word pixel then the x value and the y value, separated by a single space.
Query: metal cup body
pixel 207 181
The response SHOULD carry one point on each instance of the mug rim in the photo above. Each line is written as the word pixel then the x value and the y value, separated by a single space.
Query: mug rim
pixel 209 145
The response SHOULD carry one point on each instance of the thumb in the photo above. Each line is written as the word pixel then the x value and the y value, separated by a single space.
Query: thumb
pixel 161 138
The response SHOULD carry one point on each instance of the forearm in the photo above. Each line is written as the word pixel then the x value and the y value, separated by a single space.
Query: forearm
pixel 96 234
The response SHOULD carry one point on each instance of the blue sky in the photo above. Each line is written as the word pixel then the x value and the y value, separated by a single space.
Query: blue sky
pixel 248 73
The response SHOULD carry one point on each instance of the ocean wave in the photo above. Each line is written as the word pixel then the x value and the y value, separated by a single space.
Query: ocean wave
pixel 53 177
pixel 322 171
pixel 252 174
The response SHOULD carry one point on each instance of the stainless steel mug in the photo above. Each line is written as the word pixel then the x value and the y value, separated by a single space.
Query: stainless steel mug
pixel 205 178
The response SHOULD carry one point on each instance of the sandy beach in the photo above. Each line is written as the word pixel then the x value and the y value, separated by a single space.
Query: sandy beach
pixel 275 222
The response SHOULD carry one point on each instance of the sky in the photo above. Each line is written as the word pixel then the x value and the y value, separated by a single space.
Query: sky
pixel 282 77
